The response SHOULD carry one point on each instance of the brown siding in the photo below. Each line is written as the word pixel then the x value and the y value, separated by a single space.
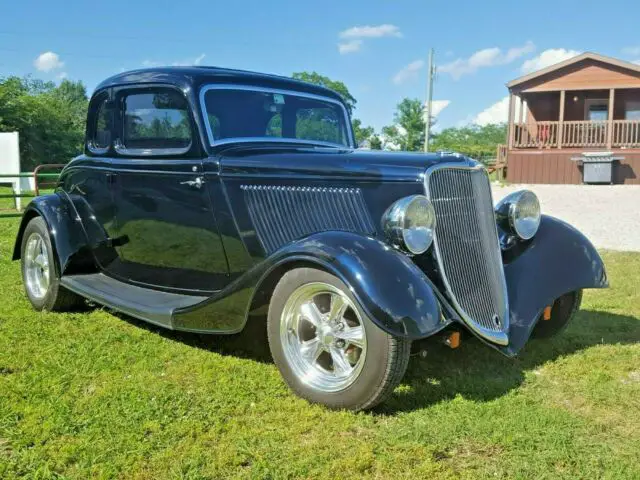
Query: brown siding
pixel 585 75
pixel 544 107
pixel 557 167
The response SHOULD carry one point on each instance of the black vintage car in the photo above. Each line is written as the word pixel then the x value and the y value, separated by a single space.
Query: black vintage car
pixel 206 194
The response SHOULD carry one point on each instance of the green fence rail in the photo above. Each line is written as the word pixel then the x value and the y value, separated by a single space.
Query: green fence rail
pixel 38 176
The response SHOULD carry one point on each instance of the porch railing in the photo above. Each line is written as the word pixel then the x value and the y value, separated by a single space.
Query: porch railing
pixel 577 134
pixel 626 133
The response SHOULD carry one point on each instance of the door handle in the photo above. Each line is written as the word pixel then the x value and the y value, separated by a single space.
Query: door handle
pixel 197 183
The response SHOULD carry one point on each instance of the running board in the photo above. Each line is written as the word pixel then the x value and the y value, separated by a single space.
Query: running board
pixel 152 306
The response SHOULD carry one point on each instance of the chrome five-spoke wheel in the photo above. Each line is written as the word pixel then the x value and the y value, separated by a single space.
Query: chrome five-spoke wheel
pixel 37 272
pixel 323 337
pixel 326 347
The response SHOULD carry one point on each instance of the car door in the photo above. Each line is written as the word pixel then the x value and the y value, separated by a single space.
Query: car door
pixel 164 212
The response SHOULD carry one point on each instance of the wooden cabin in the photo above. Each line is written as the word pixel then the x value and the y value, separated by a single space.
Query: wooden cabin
pixel 588 103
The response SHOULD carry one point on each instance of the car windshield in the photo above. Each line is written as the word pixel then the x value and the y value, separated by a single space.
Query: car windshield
pixel 244 113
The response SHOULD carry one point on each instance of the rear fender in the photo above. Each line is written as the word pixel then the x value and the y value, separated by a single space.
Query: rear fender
pixel 389 287
pixel 558 260
pixel 68 240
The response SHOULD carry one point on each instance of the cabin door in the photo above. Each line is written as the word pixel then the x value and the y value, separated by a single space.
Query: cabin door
pixel 167 234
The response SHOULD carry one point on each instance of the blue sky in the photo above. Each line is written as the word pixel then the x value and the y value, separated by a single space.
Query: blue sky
pixel 378 48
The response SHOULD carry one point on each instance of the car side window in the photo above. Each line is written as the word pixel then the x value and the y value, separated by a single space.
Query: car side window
pixel 157 119
pixel 102 130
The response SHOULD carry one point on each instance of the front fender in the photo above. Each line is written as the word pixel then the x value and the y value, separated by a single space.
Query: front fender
pixel 558 260
pixel 389 287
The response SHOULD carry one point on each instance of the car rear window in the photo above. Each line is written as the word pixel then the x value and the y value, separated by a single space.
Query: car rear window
pixel 267 114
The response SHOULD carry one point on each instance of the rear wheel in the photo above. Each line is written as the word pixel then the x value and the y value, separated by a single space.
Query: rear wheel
pixel 326 348
pixel 562 311
pixel 39 271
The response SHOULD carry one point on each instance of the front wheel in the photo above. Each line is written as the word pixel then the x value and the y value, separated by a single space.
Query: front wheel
pixel 562 311
pixel 326 348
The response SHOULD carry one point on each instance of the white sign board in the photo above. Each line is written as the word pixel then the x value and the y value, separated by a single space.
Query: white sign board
pixel 10 161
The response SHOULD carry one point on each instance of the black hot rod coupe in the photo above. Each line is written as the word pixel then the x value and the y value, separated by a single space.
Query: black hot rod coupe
pixel 205 194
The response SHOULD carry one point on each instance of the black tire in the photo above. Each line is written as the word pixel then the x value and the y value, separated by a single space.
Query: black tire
pixel 562 311
pixel 384 364
pixel 57 298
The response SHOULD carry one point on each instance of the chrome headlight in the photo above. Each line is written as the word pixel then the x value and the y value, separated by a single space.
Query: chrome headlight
pixel 409 223
pixel 519 212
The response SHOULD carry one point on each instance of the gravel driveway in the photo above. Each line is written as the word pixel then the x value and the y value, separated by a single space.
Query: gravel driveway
pixel 609 215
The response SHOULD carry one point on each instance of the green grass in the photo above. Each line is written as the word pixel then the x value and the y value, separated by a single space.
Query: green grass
pixel 95 395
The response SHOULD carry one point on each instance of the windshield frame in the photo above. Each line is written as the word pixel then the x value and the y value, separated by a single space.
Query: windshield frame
pixel 224 86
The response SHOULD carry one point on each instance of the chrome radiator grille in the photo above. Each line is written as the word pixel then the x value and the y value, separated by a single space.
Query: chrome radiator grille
pixel 467 248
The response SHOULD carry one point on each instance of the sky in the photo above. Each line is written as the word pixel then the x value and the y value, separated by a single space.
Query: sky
pixel 379 49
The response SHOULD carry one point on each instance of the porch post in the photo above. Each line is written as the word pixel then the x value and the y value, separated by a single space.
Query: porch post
pixel 561 119
pixel 612 96
pixel 511 127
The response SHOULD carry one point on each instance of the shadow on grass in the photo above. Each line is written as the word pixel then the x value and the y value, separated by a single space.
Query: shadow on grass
pixel 480 373
pixel 474 371
pixel 251 343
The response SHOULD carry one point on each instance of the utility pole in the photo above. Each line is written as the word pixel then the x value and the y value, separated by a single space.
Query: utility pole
pixel 427 123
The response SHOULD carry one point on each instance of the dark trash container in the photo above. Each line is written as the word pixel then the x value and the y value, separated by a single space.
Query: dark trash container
pixel 597 167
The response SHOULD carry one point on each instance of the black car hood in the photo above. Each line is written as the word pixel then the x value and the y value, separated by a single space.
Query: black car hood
pixel 332 162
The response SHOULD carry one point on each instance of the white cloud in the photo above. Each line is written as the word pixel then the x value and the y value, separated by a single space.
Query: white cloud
pixel 349 47
pixel 353 37
pixel 198 59
pixel 48 61
pixel 61 75
pixel 547 58
pixel 437 106
pixel 497 113
pixel 487 57
pixel 633 51
pixel 371 31
pixel 180 63
pixel 410 72
pixel 637 62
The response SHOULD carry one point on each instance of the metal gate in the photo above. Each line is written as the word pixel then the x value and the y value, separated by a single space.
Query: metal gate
pixel 41 180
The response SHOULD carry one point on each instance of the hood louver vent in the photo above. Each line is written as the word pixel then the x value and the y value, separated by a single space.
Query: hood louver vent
pixel 283 214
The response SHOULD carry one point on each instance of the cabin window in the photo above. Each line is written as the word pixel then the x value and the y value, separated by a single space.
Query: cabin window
pixel 632 111
pixel 261 114
pixel 598 113
pixel 156 120
pixel 596 109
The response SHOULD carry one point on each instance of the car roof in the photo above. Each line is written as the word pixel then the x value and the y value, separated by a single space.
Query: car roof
pixel 194 76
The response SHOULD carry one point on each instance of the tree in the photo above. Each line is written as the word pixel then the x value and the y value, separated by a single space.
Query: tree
pixel 335 85
pixel 476 141
pixel 49 119
pixel 74 96
pixel 407 132
pixel 361 133
pixel 375 143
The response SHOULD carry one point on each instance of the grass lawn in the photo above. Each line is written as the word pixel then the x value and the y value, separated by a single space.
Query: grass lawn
pixel 97 395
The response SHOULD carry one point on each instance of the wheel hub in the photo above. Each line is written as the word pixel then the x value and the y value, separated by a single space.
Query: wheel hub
pixel 323 337
pixel 37 275
pixel 327 337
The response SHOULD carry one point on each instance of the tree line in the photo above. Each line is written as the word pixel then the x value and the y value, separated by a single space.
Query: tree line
pixel 51 118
